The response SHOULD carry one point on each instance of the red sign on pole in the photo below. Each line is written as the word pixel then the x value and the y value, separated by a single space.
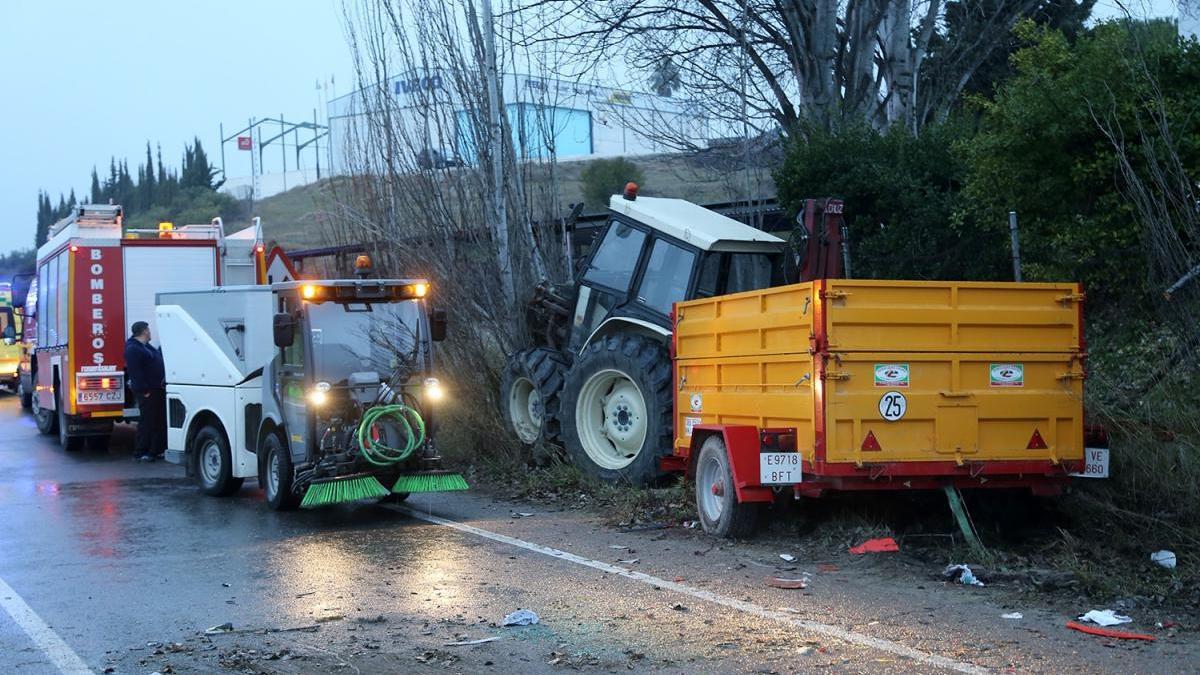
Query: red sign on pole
pixel 245 143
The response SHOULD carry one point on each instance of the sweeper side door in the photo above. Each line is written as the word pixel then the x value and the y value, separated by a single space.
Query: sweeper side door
pixel 291 389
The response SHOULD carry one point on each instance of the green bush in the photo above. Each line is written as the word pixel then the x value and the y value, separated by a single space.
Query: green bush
pixel 903 201
pixel 603 178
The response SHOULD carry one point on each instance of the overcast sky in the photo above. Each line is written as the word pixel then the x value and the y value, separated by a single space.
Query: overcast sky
pixel 86 80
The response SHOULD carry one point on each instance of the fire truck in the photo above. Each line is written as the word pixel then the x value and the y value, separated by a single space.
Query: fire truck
pixel 94 280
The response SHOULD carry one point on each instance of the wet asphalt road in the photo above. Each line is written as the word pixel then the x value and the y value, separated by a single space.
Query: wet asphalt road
pixel 129 564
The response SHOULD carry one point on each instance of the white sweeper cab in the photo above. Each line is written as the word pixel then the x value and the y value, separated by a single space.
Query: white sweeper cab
pixel 323 390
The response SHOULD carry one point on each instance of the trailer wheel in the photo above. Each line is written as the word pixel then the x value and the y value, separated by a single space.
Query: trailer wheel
pixel 279 474
pixel 214 464
pixel 716 500
pixel 23 394
pixel 47 420
pixel 530 389
pixel 68 442
pixel 617 403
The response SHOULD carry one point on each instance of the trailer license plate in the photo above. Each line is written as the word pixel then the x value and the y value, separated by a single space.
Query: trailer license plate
pixel 779 468
pixel 98 397
pixel 1095 463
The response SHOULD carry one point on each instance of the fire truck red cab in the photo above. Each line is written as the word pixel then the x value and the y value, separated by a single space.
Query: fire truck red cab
pixel 94 279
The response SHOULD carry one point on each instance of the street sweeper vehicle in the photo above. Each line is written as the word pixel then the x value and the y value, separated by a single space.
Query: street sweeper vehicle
pixel 323 390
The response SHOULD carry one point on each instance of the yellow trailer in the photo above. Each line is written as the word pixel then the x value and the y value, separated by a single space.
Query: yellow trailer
pixel 867 384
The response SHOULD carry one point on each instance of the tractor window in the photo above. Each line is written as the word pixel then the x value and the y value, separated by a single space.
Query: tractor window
pixel 666 278
pixel 748 272
pixel 710 274
pixel 614 262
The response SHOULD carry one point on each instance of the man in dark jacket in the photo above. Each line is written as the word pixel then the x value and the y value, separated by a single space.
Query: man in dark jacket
pixel 148 380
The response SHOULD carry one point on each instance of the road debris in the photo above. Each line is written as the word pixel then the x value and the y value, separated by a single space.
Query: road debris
pixel 787 557
pixel 619 547
pixel 1106 617
pixel 331 617
pixel 468 643
pixel 1109 633
pixel 631 561
pixel 827 568
pixel 881 545
pixel 679 607
pixel 521 617
pixel 1164 559
pixel 962 574
pixel 226 627
pixel 1015 616
pixel 790 584
pixel 521 514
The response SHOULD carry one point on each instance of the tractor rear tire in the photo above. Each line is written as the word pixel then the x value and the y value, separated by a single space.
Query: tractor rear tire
pixel 617 408
pixel 721 514
pixel 530 393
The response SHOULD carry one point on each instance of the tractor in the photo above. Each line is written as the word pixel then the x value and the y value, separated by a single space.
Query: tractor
pixel 598 380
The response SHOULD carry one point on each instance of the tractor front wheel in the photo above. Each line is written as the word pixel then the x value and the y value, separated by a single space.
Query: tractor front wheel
pixel 617 409
pixel 529 394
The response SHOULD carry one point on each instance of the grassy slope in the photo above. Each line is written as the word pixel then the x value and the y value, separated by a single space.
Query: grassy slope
pixel 292 218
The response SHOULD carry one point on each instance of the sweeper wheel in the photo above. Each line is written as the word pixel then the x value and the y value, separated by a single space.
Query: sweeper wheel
pixel 277 469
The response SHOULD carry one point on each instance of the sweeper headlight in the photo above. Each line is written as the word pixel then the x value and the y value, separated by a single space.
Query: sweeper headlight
pixel 433 389
pixel 319 394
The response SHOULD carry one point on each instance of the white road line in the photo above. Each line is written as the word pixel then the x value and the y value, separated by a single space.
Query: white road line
pixel 880 644
pixel 60 654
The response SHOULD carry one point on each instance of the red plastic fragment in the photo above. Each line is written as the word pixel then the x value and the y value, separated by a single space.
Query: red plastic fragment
pixel 1109 633
pixel 883 545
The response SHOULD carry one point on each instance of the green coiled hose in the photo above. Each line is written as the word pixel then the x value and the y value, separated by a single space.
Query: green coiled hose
pixel 381 454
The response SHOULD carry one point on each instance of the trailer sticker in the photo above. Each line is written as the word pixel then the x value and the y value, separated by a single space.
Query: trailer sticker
pixel 891 374
pixel 697 403
pixel 689 423
pixel 1007 374
pixel 892 406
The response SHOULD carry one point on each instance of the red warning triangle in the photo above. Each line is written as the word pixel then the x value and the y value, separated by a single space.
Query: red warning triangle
pixel 1036 442
pixel 870 444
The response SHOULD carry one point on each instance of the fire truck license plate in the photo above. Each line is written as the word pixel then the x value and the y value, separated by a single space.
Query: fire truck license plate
pixel 779 468
pixel 102 396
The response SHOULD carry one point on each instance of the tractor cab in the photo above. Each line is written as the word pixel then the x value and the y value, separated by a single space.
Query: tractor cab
pixel 654 252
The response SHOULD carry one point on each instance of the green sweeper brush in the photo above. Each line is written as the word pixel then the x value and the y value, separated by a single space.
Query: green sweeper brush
pixel 328 491
pixel 429 481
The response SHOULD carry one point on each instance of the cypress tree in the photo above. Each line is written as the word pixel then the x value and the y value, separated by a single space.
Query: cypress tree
pixel 97 194
pixel 45 217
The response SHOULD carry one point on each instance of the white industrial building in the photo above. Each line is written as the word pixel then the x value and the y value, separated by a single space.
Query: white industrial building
pixel 547 116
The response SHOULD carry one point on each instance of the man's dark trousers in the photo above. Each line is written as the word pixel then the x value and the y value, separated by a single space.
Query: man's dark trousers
pixel 152 423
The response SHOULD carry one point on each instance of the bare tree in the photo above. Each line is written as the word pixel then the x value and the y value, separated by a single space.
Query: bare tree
pixel 416 151
pixel 774 63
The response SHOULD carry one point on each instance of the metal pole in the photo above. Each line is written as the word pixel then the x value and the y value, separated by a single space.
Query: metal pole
pixel 846 252
pixel 496 150
pixel 221 128
pixel 316 145
pixel 283 149
pixel 1016 245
